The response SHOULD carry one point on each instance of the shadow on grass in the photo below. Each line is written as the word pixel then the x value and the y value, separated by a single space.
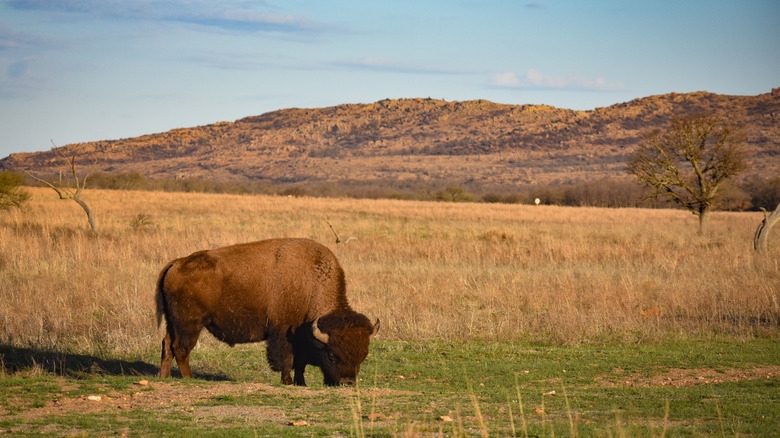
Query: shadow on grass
pixel 19 360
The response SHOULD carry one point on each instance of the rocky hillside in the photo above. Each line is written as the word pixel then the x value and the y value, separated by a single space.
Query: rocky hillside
pixel 420 141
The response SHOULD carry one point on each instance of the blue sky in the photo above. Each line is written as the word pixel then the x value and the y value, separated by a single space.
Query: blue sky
pixel 84 70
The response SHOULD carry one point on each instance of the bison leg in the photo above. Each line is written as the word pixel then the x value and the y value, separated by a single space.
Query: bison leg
pixel 166 357
pixel 181 350
pixel 178 343
pixel 279 352
pixel 299 369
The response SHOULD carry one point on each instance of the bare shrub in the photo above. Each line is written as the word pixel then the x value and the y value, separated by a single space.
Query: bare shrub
pixel 11 196
pixel 141 222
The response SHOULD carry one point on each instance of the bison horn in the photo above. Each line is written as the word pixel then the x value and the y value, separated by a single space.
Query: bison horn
pixel 319 335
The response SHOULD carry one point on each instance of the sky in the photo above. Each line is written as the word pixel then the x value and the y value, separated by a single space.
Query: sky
pixel 85 70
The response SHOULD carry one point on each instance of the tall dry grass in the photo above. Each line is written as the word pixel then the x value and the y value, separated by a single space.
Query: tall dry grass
pixel 427 270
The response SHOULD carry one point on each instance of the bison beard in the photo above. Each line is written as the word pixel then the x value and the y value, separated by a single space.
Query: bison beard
pixel 289 292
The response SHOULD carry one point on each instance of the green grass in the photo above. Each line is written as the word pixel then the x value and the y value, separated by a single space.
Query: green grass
pixel 407 388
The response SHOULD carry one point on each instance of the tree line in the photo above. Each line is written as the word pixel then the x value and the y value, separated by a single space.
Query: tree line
pixel 748 195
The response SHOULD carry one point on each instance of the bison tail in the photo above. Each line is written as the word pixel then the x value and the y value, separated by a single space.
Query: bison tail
pixel 160 295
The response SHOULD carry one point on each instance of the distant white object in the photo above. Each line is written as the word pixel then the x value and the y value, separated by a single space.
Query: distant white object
pixel 537 201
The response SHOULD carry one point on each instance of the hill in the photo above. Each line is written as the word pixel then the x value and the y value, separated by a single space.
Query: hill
pixel 419 141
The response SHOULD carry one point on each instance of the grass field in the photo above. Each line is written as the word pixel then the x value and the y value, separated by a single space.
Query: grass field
pixel 471 296
pixel 431 388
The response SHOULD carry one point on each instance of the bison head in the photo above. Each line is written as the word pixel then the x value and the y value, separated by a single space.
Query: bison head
pixel 342 345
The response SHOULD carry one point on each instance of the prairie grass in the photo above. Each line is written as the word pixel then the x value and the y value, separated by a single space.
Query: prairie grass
pixel 444 271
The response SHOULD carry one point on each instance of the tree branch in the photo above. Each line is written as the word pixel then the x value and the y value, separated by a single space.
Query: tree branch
pixel 762 232
pixel 59 193
pixel 64 193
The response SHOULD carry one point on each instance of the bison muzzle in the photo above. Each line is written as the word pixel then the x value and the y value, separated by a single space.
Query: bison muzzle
pixel 289 292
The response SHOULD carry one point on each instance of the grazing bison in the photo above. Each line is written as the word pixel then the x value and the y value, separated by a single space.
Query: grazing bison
pixel 290 292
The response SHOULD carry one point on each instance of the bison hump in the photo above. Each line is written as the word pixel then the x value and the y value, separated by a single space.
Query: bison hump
pixel 197 262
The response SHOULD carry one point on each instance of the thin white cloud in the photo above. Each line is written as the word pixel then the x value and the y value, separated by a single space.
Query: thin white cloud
pixel 12 40
pixel 242 20
pixel 534 79
pixel 225 15
pixel 385 65
pixel 507 79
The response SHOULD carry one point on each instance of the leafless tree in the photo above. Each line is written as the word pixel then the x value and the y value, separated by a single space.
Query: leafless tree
pixel 689 162
pixel 762 232
pixel 65 192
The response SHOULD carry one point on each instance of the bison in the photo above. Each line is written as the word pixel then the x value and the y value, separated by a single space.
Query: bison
pixel 289 292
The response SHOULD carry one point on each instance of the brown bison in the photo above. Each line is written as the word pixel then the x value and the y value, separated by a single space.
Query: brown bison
pixel 290 292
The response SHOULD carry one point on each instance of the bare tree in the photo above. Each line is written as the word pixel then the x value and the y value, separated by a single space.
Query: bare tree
pixel 762 232
pixel 689 162
pixel 70 193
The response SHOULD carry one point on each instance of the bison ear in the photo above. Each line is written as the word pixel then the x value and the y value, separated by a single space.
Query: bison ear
pixel 375 328
pixel 319 335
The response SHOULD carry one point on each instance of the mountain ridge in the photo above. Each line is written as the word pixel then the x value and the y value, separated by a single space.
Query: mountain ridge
pixel 419 140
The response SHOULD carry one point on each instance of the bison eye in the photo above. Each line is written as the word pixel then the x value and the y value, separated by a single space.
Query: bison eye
pixel 332 357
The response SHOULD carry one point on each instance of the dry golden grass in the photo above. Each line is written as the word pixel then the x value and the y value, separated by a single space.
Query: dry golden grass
pixel 427 270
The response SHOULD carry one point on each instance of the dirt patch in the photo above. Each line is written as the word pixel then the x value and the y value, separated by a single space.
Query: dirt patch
pixel 678 377
pixel 181 397
pixel 243 413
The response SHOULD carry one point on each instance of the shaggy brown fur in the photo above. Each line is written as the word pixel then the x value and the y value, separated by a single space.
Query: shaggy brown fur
pixel 269 290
